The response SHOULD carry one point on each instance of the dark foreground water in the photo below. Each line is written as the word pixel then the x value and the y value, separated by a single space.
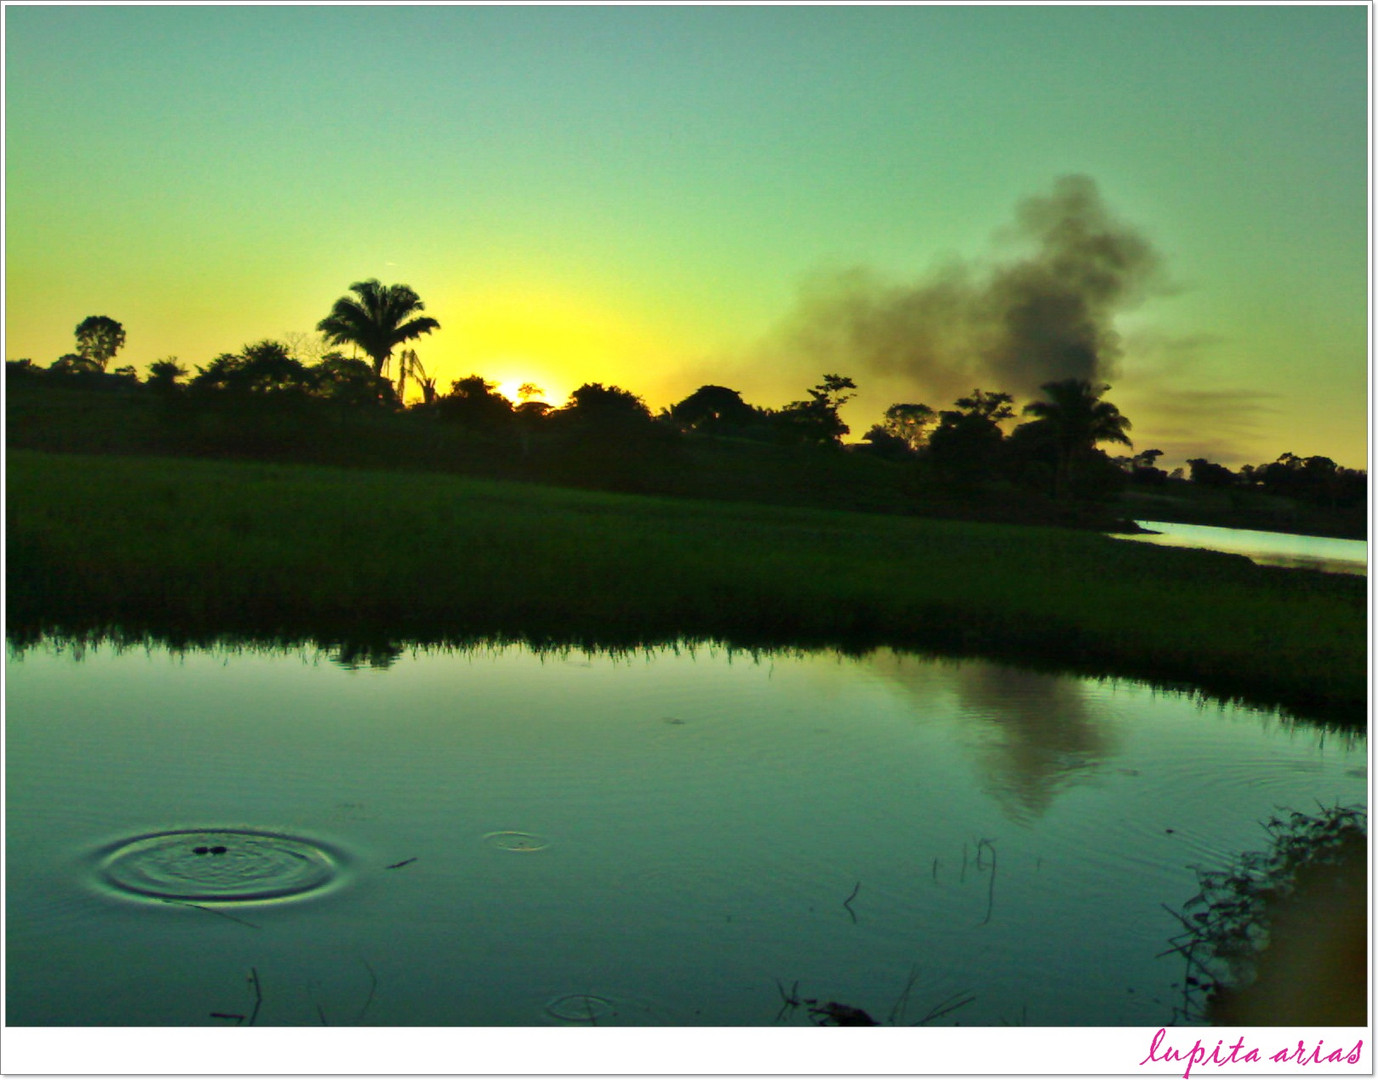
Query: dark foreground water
pixel 500 838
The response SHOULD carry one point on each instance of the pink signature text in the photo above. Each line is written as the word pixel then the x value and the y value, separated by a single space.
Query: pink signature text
pixel 1237 1054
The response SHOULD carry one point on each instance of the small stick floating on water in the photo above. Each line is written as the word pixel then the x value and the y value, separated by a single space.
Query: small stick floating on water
pixel 258 994
pixel 212 911
pixel 990 902
pixel 404 862
pixel 372 987
pixel 848 902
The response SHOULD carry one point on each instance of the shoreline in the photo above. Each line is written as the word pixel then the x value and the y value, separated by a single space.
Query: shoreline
pixel 193 550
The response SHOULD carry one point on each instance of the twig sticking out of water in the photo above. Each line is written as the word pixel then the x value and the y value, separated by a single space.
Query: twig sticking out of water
pixel 791 1000
pixel 258 994
pixel 372 986
pixel 1198 979
pixel 848 902
pixel 213 911
pixel 902 1002
pixel 404 862
pixel 947 1005
pixel 990 903
pixel 321 1013
pixel 1023 1018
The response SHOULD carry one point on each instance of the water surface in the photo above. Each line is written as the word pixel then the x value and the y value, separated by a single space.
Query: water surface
pixel 670 838
pixel 1268 548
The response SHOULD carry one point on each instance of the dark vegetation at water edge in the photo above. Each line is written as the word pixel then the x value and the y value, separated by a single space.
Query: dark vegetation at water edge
pixel 195 551
pixel 1280 936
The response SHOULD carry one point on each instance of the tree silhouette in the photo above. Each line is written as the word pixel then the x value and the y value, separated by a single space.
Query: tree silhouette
pixel 967 441
pixel 711 407
pixel 981 405
pixel 909 423
pixel 1144 467
pixel 600 406
pixel 377 320
pixel 74 364
pixel 350 381
pixel 1077 420
pixel 474 401
pixel 1210 474
pixel 264 368
pixel 163 374
pixel 817 420
pixel 99 338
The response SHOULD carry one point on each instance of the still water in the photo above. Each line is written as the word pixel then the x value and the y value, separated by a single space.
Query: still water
pixel 666 838
pixel 1326 553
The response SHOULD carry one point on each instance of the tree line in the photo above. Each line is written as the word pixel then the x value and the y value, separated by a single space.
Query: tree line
pixel 1056 449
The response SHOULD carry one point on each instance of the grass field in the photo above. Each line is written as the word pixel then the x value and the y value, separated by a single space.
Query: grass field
pixel 194 550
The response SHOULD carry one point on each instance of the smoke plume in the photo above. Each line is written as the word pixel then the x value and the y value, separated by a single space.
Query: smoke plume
pixel 1042 315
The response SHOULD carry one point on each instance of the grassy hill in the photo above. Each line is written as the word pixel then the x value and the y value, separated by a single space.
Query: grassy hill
pixel 192 550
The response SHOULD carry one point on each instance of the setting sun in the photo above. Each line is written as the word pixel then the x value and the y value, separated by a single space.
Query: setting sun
pixel 556 342
pixel 511 388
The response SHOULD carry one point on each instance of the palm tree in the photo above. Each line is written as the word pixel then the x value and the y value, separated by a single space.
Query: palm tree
pixel 1077 419
pixel 377 321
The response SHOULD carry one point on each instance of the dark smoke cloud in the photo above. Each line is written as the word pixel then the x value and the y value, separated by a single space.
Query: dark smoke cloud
pixel 1044 314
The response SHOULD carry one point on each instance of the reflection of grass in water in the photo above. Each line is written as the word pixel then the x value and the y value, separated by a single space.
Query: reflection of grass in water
pixel 1280 936
pixel 194 551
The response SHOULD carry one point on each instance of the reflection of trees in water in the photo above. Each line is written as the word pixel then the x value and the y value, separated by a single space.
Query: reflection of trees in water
pixel 1045 733
pixel 354 655
pixel 1035 730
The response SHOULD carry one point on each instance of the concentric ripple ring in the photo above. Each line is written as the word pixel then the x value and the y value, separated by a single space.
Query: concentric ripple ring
pixel 579 1008
pixel 514 840
pixel 217 865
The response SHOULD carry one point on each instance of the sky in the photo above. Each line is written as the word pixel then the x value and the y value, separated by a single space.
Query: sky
pixel 1169 200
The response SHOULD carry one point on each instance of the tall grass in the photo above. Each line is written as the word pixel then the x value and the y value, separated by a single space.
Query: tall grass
pixel 188 549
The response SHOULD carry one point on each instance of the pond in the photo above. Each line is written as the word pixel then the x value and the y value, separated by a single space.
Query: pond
pixel 1268 548
pixel 674 838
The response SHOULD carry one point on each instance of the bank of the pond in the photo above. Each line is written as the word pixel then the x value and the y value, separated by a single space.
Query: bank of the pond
pixel 186 549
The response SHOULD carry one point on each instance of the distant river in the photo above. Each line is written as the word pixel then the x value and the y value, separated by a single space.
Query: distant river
pixel 681 838
pixel 1269 548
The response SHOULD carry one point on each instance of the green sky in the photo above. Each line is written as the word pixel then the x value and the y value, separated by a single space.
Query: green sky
pixel 664 197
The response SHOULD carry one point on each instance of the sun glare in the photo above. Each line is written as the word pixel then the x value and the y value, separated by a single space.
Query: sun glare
pixel 539 388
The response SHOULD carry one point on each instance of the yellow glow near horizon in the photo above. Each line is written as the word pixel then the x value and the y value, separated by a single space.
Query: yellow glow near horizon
pixel 656 207
pixel 557 342
pixel 511 390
